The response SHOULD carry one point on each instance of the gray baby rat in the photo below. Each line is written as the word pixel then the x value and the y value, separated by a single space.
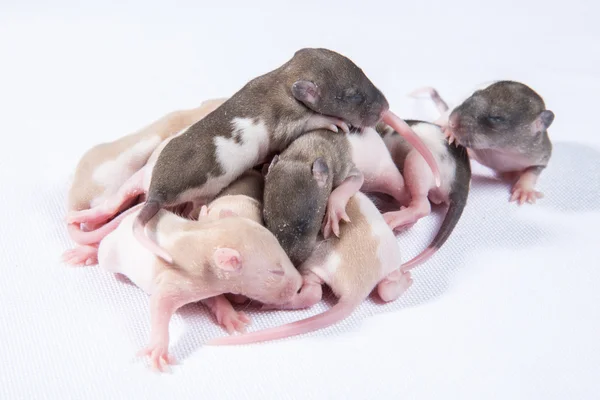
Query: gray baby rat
pixel 298 185
pixel 316 88
pixel 504 125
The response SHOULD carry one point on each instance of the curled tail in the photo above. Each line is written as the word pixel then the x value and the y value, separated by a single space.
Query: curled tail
pixel 458 200
pixel 335 314
pixel 95 236
pixel 150 209
pixel 435 96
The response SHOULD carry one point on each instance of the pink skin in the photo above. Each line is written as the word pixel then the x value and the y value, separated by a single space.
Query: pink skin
pixel 231 320
pixel 394 285
pixel 336 204
pixel 374 265
pixel 524 189
pixel 87 254
pixel 81 255
pixel 171 293
pixel 411 137
pixel 174 290
pixel 419 182
pixel 132 188
pixel 259 270
pixel 389 289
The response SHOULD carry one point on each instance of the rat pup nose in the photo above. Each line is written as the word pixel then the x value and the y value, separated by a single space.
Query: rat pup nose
pixel 453 121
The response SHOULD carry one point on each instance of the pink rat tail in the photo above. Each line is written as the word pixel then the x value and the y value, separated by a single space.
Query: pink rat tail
pixel 95 236
pixel 150 209
pixel 411 137
pixel 335 314
pixel 458 200
pixel 435 96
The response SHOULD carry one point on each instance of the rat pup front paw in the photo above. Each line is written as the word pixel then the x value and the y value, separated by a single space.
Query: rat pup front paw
pixel 336 211
pixel 81 255
pixel 158 351
pixel 523 193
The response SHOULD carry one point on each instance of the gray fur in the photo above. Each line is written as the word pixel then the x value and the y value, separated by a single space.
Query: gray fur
pixel 294 203
pixel 507 116
pixel 189 160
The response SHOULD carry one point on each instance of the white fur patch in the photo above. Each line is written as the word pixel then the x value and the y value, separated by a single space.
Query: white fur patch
pixel 328 268
pixel 435 141
pixel 112 174
pixel 236 158
pixel 120 252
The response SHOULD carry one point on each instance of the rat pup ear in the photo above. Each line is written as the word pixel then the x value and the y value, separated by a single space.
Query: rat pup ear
pixel 306 92
pixel 227 259
pixel 543 121
pixel 320 171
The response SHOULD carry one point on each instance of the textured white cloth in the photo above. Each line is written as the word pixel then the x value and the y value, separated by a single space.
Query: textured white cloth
pixel 508 308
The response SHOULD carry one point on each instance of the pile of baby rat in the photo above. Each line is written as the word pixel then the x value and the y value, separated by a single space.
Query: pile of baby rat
pixel 270 193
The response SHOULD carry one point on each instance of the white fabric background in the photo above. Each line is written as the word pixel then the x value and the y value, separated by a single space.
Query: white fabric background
pixel 509 308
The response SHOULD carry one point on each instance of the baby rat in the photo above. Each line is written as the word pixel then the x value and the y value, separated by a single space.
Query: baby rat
pixel 212 256
pixel 505 127
pixel 315 89
pixel 104 168
pixel 313 175
pixel 365 256
pixel 455 170
pixel 316 175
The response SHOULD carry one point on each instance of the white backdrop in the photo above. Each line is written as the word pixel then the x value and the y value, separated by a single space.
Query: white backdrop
pixel 509 308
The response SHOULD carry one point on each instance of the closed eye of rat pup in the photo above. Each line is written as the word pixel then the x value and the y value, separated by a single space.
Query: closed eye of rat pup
pixel 365 256
pixel 212 256
pixel 455 171
pixel 505 127
pixel 315 89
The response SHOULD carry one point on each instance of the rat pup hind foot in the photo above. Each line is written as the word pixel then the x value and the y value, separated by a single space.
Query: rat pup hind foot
pixel 524 189
pixel 229 319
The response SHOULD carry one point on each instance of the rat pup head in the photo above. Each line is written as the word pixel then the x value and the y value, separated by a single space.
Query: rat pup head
pixel 257 268
pixel 294 204
pixel 503 115
pixel 331 84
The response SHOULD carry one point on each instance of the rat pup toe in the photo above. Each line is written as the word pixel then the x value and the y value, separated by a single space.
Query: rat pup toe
pixel 81 255
pixel 159 355
pixel 394 285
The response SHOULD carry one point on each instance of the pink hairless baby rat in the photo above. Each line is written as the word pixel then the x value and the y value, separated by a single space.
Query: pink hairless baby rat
pixel 106 167
pixel 212 256
pixel 365 256
pixel 504 124
pixel 455 170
